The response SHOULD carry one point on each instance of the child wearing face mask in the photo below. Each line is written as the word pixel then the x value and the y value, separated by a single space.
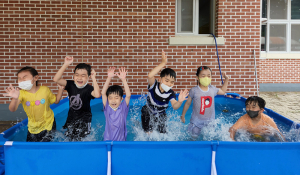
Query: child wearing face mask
pixel 255 121
pixel 80 94
pixel 154 115
pixel 115 110
pixel 204 104
pixel 36 101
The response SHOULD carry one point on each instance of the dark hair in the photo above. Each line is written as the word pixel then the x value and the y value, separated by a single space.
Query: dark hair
pixel 32 71
pixel 255 99
pixel 200 69
pixel 115 89
pixel 168 72
pixel 87 67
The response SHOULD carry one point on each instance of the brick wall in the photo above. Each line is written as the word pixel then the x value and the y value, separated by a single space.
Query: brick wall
pixel 128 33
pixel 280 71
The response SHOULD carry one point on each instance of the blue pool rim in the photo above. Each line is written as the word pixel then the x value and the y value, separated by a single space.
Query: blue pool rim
pixel 223 148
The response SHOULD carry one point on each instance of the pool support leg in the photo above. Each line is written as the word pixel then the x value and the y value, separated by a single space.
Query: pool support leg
pixel 109 145
pixel 214 145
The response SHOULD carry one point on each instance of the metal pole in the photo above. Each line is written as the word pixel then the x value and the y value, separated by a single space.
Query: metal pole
pixel 81 34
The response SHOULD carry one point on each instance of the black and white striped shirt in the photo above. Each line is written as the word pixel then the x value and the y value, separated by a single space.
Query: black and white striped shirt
pixel 158 101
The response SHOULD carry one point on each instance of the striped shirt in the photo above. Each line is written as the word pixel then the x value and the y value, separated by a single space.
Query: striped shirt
pixel 158 101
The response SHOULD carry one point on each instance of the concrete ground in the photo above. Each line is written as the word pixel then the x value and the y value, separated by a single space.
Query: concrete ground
pixel 284 103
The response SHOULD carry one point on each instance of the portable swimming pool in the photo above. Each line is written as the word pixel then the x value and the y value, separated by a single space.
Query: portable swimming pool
pixel 149 157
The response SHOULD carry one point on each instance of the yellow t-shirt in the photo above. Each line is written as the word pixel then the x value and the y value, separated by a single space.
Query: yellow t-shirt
pixel 37 107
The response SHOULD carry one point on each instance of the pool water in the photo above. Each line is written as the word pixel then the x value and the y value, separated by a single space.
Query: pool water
pixel 226 115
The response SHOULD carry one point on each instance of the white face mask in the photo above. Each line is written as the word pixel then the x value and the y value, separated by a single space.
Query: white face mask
pixel 26 85
pixel 80 87
pixel 165 87
pixel 113 108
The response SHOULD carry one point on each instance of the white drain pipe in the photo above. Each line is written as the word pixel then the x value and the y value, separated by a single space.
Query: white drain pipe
pixel 257 92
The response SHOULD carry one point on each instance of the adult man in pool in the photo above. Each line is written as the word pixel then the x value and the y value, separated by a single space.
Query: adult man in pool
pixel 255 121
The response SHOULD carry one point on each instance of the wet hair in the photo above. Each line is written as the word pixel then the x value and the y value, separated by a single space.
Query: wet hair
pixel 199 71
pixel 87 67
pixel 115 89
pixel 255 99
pixel 168 72
pixel 32 71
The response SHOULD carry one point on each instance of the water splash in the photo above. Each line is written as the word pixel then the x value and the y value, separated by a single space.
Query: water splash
pixel 175 128
pixel 95 135
pixel 226 116
pixel 293 135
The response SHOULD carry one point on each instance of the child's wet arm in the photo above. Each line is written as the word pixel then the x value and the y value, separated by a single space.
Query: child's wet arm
pixel 176 104
pixel 14 104
pixel 151 75
pixel 96 92
pixel 223 89
pixel 232 133
pixel 59 95
pixel 155 71
pixel 57 78
pixel 105 87
pixel 186 106
pixel 127 91
pixel 273 124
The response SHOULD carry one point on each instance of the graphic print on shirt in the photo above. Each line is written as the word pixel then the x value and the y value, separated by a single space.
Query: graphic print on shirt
pixel 206 102
pixel 75 102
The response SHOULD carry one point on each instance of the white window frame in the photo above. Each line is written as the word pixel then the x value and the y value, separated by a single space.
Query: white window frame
pixel 195 19
pixel 288 22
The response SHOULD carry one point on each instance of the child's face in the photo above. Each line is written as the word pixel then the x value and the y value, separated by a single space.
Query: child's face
pixel 204 73
pixel 167 80
pixel 114 100
pixel 25 76
pixel 81 77
pixel 253 107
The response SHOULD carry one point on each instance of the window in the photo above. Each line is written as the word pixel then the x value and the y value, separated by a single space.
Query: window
pixel 280 20
pixel 195 17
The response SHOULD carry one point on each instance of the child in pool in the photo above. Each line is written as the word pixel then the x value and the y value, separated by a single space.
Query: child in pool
pixel 115 110
pixel 36 102
pixel 80 93
pixel 160 94
pixel 204 104
pixel 255 121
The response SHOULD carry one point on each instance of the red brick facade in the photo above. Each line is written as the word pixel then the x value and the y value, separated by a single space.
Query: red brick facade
pixel 129 33
pixel 280 71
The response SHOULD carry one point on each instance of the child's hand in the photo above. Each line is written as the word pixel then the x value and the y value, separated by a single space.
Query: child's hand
pixel 183 95
pixel 111 72
pixel 182 119
pixel 164 57
pixel 68 60
pixel 122 73
pixel 60 87
pixel 93 74
pixel 12 92
pixel 225 76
